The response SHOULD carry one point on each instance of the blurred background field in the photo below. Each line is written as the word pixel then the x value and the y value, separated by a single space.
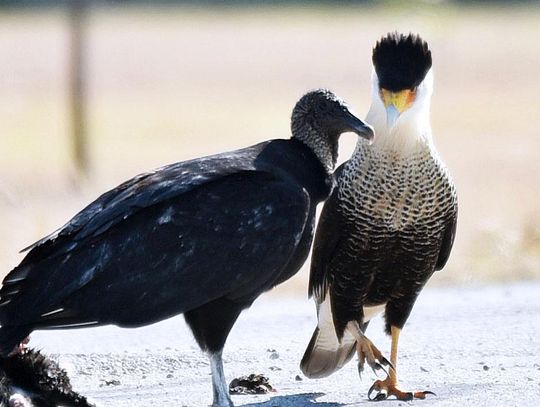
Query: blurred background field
pixel 170 83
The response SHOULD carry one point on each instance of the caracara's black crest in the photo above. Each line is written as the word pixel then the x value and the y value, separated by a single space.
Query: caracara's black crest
pixel 401 61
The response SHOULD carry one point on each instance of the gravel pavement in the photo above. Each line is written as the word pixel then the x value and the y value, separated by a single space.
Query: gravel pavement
pixel 471 346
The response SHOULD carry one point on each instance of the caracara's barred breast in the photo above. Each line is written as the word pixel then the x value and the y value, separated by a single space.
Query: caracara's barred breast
pixel 397 208
pixel 388 190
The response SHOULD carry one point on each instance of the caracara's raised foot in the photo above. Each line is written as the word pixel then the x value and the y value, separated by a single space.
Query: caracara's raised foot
pixel 367 351
pixel 383 389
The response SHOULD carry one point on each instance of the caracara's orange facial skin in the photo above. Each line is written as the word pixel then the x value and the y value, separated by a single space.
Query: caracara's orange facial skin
pixel 401 100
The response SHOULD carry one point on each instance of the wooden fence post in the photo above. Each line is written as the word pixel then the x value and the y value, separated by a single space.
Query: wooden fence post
pixel 77 86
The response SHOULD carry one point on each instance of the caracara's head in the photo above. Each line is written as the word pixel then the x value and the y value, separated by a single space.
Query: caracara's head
pixel 402 81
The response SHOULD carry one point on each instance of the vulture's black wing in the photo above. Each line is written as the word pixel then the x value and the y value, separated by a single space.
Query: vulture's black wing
pixel 139 192
pixel 159 245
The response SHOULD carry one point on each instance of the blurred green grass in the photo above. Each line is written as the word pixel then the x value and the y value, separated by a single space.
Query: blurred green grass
pixel 169 84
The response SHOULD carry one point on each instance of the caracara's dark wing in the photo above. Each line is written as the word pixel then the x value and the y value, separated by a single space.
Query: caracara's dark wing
pixel 447 242
pixel 327 238
pixel 141 253
pixel 326 353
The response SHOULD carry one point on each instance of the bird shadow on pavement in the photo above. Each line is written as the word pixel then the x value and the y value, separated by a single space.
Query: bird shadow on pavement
pixel 296 400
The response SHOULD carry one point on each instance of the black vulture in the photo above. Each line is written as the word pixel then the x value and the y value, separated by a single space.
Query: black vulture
pixel 388 225
pixel 203 237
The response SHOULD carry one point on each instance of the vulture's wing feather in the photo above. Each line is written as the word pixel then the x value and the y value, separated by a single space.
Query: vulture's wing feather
pixel 139 192
pixel 230 237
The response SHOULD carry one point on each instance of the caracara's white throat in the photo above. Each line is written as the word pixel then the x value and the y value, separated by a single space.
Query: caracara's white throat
pixel 412 128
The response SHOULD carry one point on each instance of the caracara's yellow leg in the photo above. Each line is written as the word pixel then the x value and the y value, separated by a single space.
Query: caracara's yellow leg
pixel 390 386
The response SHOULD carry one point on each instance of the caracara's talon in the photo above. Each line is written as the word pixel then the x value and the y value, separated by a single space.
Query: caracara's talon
pixel 408 396
pixel 385 367
pixel 360 367
pixel 376 367
pixel 388 387
pixel 374 387
pixel 380 397
pixel 386 362
pixel 367 352
pixel 422 394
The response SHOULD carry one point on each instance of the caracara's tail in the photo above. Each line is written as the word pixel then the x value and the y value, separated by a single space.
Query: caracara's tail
pixel 325 355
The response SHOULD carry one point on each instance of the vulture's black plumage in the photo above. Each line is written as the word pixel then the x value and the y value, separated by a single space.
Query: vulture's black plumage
pixel 31 379
pixel 389 223
pixel 203 237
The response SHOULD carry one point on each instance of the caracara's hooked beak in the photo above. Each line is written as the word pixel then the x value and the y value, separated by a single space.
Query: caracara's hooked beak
pixel 396 103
